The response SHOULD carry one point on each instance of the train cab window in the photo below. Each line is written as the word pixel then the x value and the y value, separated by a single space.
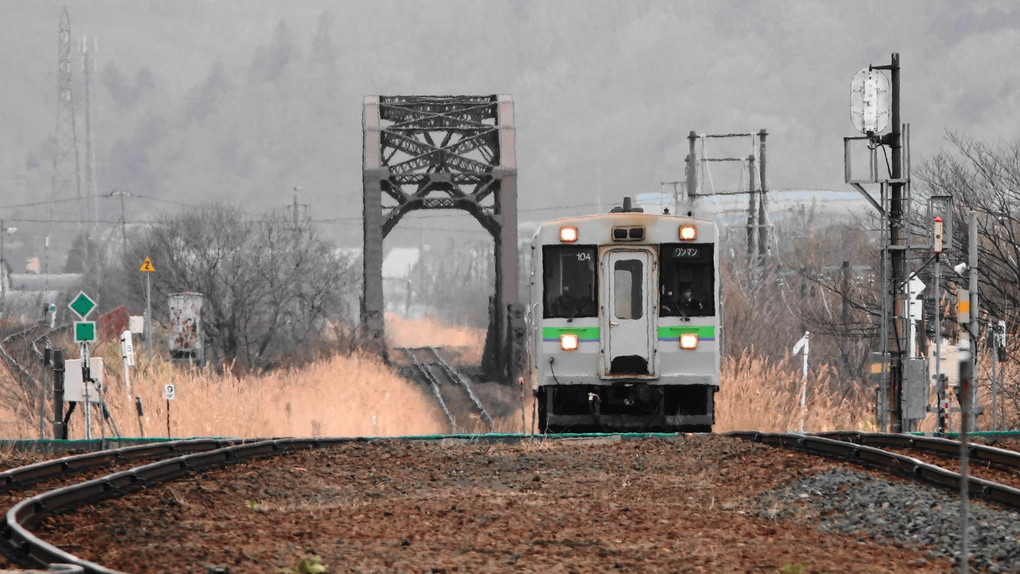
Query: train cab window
pixel 686 280
pixel 570 279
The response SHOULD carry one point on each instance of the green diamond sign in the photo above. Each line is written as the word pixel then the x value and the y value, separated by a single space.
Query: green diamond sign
pixel 82 305
pixel 84 331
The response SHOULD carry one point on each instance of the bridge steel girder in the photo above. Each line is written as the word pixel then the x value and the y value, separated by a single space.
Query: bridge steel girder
pixel 441 152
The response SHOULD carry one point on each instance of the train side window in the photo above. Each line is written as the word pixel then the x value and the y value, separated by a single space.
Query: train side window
pixel 687 280
pixel 627 291
pixel 570 280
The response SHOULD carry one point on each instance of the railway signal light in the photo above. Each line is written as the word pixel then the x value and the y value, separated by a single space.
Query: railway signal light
pixel 962 306
pixel 870 101
pixel 938 235
pixel 568 234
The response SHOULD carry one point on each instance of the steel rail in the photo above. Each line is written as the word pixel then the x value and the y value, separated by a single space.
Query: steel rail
pixel 423 369
pixel 1001 459
pixel 27 549
pixel 898 464
pixel 456 378
pixel 25 476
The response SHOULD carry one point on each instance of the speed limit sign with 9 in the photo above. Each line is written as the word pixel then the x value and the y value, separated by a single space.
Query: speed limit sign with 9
pixel 170 392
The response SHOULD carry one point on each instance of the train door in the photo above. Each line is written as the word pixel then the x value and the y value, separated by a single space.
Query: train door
pixel 628 318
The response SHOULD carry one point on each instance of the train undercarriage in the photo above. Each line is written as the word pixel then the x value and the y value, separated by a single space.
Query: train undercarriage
pixel 626 407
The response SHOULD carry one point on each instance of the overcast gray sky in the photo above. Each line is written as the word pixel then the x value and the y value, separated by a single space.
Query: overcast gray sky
pixel 605 91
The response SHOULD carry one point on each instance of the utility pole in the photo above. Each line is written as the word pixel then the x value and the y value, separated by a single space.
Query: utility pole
pixel 752 218
pixel 763 227
pixel 295 209
pixel 942 408
pixel 974 325
pixel 897 253
pixel 757 217
pixel 874 105
pixel 676 194
pixel 4 275
pixel 123 221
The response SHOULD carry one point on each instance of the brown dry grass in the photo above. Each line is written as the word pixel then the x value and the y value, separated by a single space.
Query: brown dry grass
pixel 357 395
pixel 755 394
pixel 401 332
pixel 1006 406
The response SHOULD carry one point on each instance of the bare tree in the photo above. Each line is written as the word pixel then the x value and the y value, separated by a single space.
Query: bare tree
pixel 455 281
pixel 269 288
pixel 985 178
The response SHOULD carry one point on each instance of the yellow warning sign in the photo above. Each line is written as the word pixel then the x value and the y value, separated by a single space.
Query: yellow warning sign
pixel 147 266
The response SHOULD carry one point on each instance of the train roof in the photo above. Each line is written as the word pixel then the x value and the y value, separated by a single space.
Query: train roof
pixel 623 214
pixel 627 218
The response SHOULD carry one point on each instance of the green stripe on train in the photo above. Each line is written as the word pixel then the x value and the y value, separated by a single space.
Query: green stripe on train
pixel 706 332
pixel 583 333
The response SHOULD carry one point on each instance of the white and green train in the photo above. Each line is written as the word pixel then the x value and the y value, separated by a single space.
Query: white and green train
pixel 625 321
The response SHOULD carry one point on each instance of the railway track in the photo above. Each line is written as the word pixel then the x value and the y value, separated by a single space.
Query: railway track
pixel 463 410
pixel 887 452
pixel 40 490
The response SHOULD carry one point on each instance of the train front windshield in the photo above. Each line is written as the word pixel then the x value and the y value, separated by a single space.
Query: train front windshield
pixel 570 277
pixel 686 280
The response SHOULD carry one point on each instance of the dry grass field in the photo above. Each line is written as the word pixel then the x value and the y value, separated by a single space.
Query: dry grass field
pixel 358 395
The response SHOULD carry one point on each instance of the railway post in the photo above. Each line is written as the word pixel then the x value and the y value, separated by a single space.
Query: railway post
pixel 897 251
pixel 974 325
pixel 874 106
pixel 763 223
pixel 966 373
pixel 86 378
pixel 803 343
pixel 59 431
pixel 138 411
pixel 940 384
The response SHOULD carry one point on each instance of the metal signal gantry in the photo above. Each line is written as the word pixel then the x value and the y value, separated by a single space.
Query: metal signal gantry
pixel 441 152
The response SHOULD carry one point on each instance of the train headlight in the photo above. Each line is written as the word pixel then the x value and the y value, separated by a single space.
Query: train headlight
pixel 568 342
pixel 689 341
pixel 568 234
pixel 688 232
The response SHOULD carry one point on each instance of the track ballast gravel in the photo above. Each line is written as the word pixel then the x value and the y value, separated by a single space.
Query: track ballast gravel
pixel 691 503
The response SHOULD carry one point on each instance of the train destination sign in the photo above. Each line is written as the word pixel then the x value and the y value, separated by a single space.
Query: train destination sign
pixel 82 305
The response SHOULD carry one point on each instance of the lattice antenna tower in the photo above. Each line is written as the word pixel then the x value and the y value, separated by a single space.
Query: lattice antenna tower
pixel 88 65
pixel 66 169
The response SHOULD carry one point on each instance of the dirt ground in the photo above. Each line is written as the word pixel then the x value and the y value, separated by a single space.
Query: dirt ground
pixel 683 504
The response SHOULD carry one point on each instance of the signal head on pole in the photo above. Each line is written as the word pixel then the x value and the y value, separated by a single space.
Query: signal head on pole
pixel 937 249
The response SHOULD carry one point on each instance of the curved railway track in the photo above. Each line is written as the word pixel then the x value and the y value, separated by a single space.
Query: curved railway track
pixel 869 450
pixel 114 473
